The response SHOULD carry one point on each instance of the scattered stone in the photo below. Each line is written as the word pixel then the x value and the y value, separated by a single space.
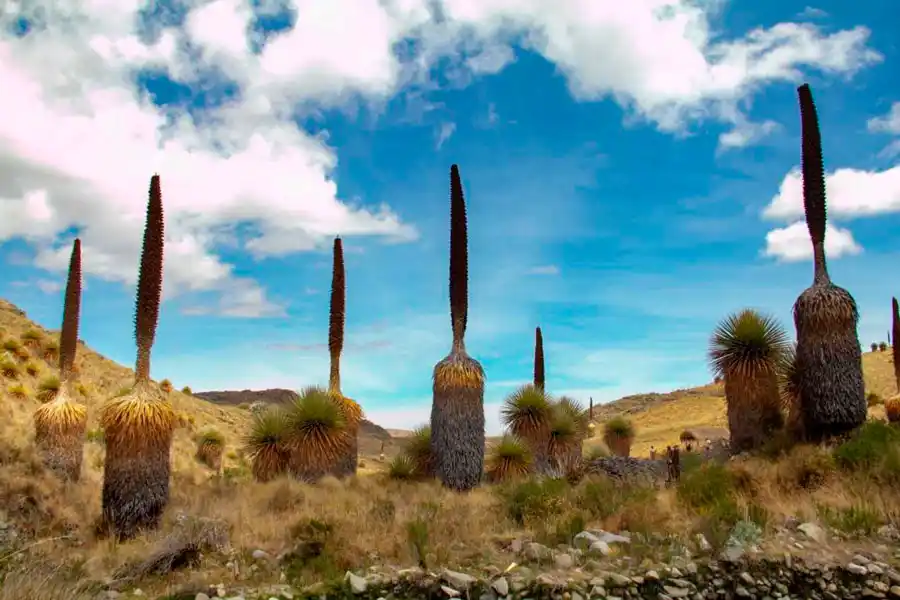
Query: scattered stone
pixel 260 555
pixel 201 596
pixel 857 569
pixel 358 585
pixel 812 531
pixel 501 586
pixel 450 591
pixel 457 579
pixel 676 592
pixel 563 560
pixel 538 552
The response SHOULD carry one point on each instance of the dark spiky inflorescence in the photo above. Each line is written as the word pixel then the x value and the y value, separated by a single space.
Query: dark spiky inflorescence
pixel 828 355
pixel 746 350
pixel 267 444
pixel 813 168
pixel 527 412
pixel 138 429
pixel 539 376
pixel 336 316
pixel 895 340
pixel 459 258
pixel 509 459
pixel 68 335
pixel 150 276
pixel 317 430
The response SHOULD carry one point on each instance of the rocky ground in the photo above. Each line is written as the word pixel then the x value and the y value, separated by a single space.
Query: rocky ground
pixel 797 560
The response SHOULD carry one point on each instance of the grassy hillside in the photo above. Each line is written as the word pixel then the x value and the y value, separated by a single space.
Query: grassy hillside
pixel 660 418
pixel 98 379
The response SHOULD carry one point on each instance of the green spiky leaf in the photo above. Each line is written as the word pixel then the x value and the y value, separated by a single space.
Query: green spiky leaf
pixel 746 343
pixel 526 411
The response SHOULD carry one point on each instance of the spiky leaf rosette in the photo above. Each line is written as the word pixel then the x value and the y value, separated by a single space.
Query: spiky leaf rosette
pixel 577 411
pixel 895 340
pixel 149 290
pixel 317 432
pixel 457 421
pixel 829 358
pixel 210 446
pixel 418 449
pixel 746 349
pixel 138 428
pixel 509 459
pixel 267 443
pixel 527 413
pixel 539 376
pixel 618 434
pixel 68 335
pixel 789 387
pixel 565 435
pixel 459 259
pixel 336 317
pixel 59 428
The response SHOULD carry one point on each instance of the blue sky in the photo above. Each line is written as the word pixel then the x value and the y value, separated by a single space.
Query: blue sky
pixel 629 172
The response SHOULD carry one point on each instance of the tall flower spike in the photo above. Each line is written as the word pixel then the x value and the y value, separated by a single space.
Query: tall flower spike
pixel 459 259
pixel 539 377
pixel 68 336
pixel 336 316
pixel 813 180
pixel 149 293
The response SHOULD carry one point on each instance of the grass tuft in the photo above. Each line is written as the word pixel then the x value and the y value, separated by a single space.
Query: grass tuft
pixel 508 460
pixel 48 388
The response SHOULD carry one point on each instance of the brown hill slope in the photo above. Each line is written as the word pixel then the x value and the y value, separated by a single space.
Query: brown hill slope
pixel 660 418
pixel 99 378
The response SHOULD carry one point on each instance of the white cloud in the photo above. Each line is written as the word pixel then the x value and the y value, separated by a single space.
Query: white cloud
pixel 811 12
pixel 889 123
pixel 48 286
pixel 544 270
pixel 850 192
pixel 445 133
pixel 78 141
pixel 744 133
pixel 792 243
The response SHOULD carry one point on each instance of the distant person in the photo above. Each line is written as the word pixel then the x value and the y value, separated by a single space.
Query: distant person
pixel 707 448
pixel 652 452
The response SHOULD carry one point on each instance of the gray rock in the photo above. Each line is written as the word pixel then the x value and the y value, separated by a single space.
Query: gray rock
pixel 358 585
pixel 201 596
pixel 500 586
pixel 812 531
pixel 857 569
pixel 600 547
pixel 457 579
pixel 676 592
pixel 535 551
pixel 450 591
pixel 564 560
pixel 260 555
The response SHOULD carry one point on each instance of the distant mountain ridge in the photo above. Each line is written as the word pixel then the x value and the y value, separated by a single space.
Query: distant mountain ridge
pixel 279 396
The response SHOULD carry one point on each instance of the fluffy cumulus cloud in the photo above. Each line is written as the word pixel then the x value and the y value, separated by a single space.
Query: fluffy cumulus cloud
pixel 80 135
pixel 852 193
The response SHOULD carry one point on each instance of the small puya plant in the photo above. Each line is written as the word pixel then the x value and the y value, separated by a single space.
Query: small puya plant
pixel 61 422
